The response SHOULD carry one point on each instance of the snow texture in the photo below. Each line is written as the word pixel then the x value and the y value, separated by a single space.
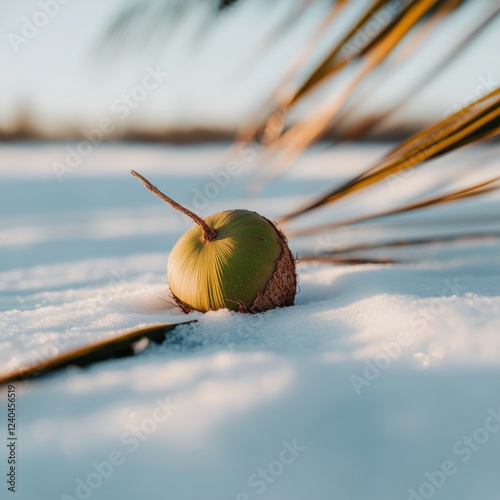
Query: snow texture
pixel 380 383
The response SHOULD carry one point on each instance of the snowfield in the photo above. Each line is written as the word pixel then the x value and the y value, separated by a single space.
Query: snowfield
pixel 381 383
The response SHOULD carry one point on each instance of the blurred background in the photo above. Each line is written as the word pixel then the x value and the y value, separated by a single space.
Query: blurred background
pixel 67 64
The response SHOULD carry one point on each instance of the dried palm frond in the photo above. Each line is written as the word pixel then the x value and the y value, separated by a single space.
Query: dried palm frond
pixel 402 19
pixel 342 255
pixel 432 69
pixel 479 120
pixel 413 18
pixel 461 194
pixel 274 121
pixel 333 259
pixel 337 253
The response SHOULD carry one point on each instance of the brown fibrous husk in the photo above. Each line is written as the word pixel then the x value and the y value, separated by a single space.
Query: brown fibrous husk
pixel 281 288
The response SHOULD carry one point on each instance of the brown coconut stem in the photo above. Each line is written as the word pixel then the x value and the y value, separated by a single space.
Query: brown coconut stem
pixel 208 233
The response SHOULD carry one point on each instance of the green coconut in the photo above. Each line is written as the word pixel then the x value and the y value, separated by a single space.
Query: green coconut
pixel 236 259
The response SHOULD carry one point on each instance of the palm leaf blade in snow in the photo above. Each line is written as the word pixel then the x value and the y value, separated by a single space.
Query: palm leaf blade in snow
pixel 124 345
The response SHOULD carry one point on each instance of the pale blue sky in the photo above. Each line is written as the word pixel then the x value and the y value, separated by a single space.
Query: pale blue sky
pixel 217 82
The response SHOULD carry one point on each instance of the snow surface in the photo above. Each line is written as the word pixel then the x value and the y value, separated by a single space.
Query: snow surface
pixel 221 402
